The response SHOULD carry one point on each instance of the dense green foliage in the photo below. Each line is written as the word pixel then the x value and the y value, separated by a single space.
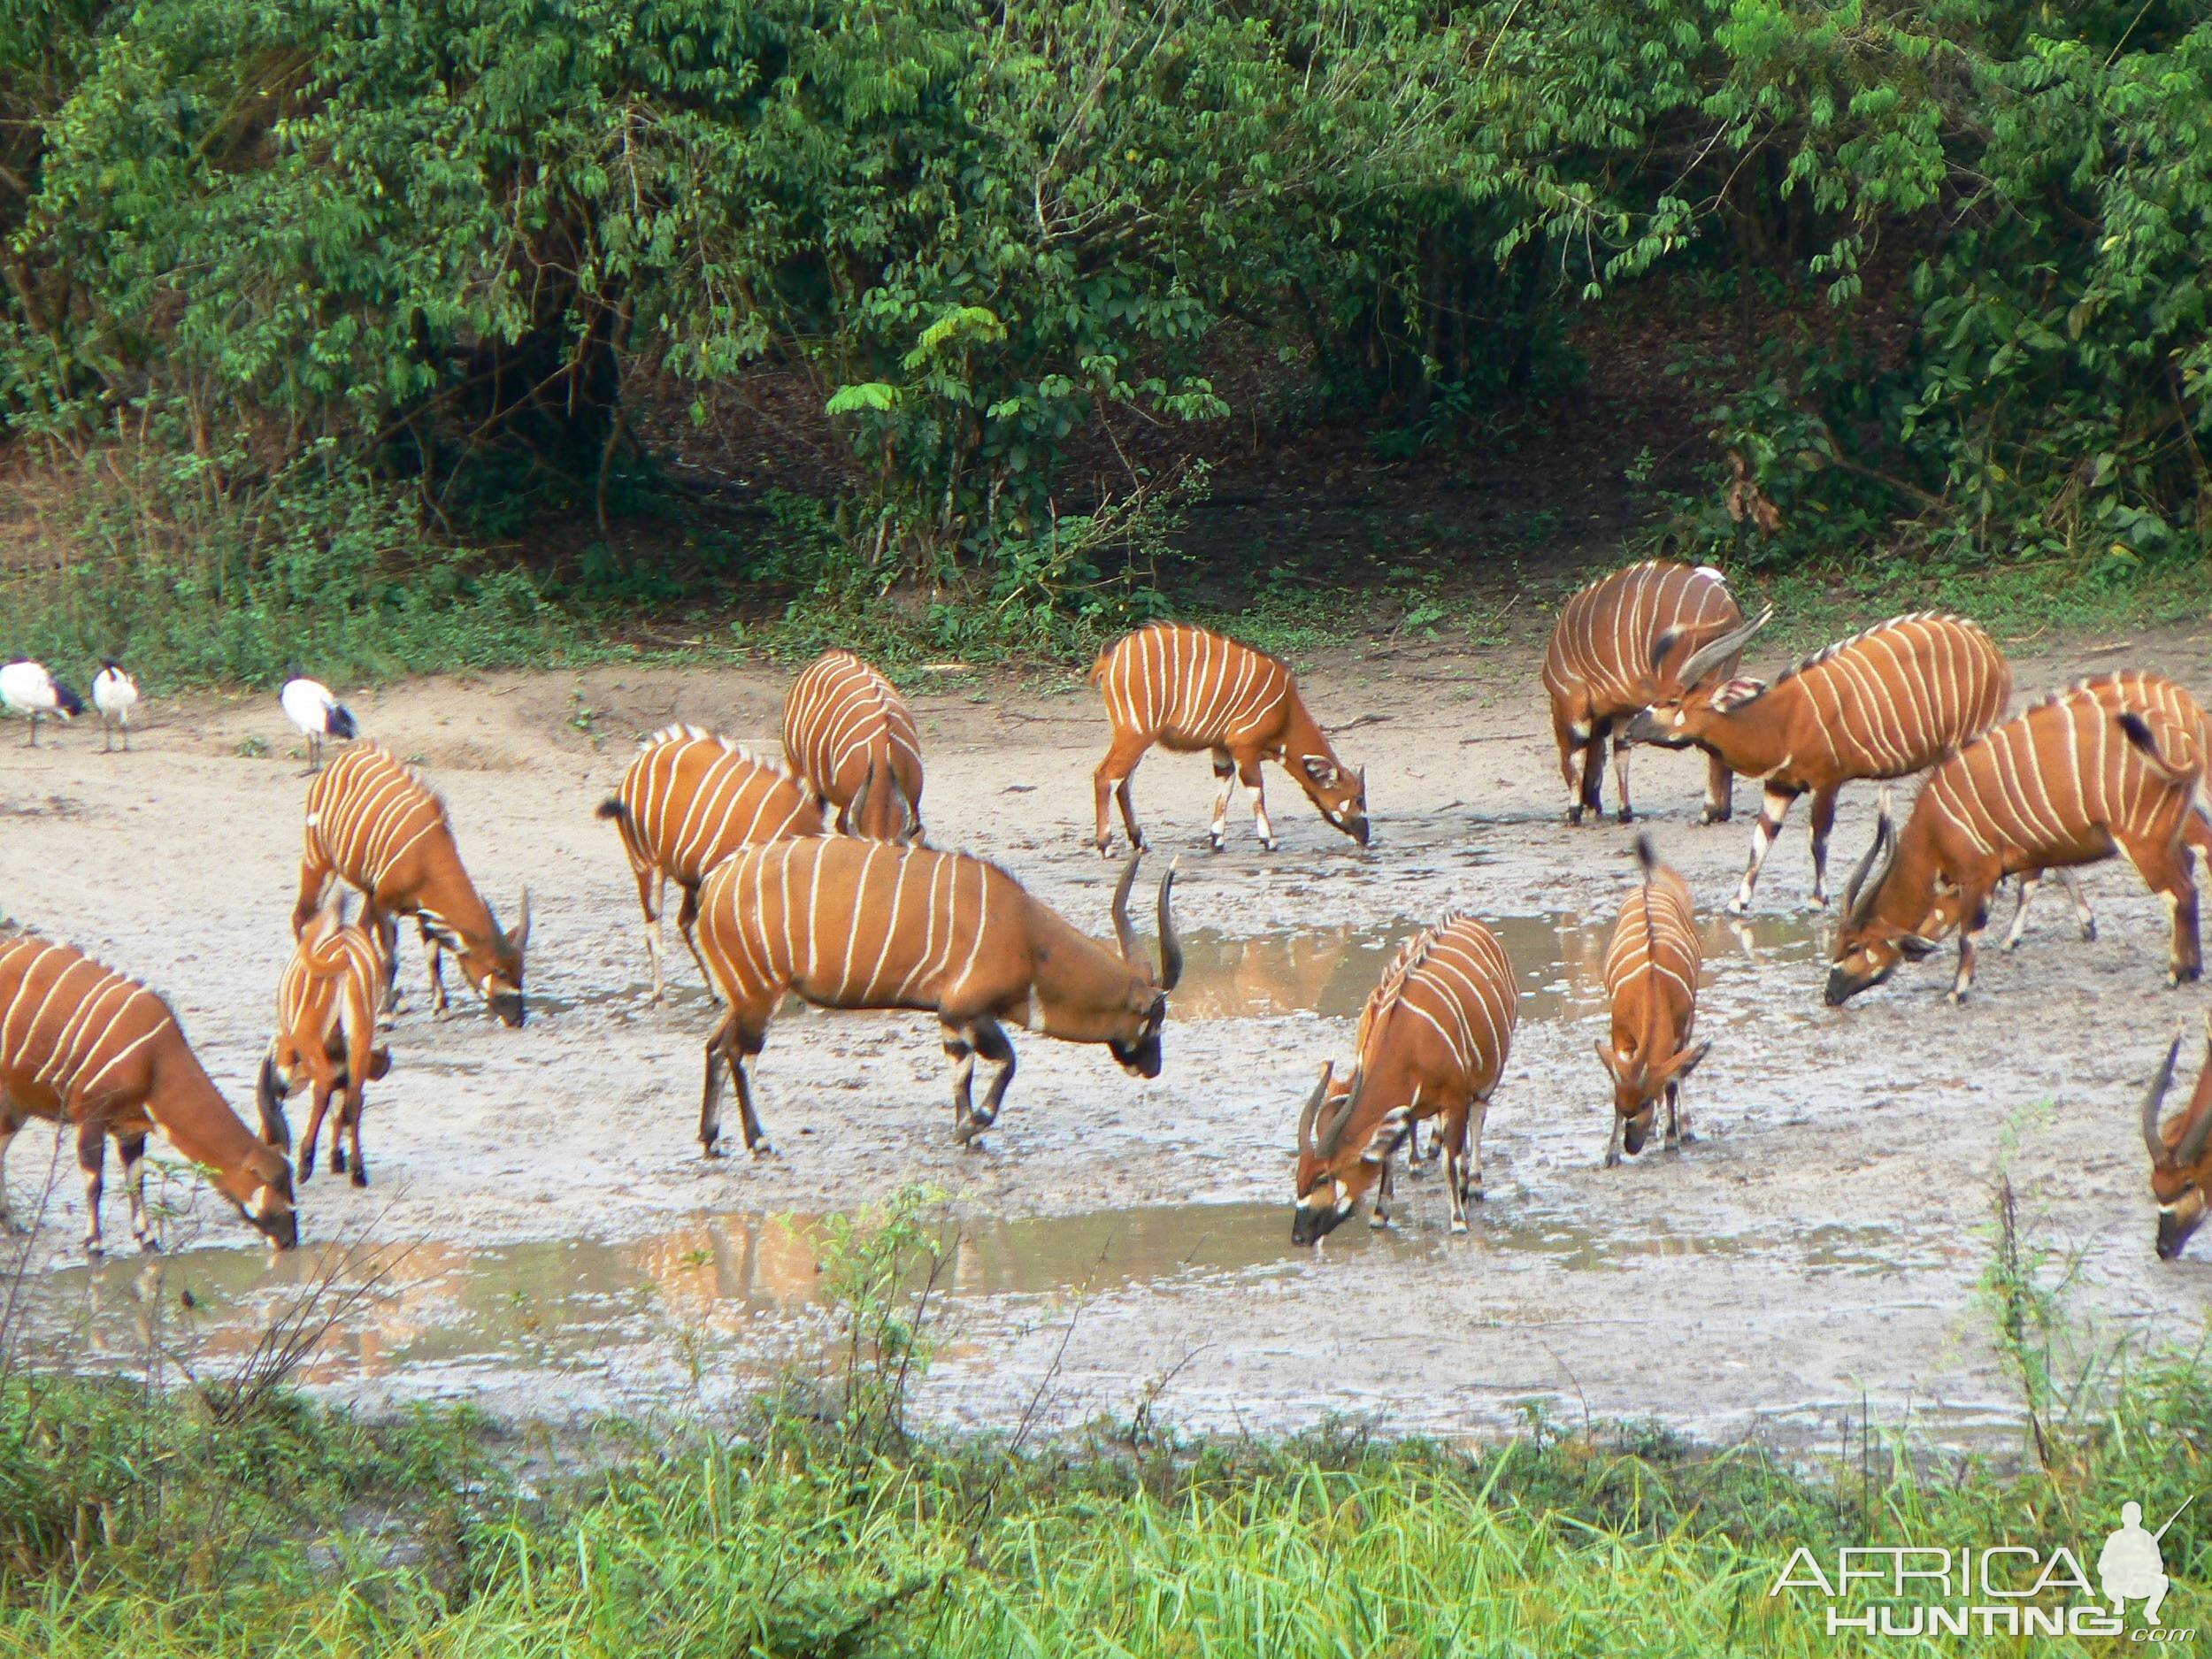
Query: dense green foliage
pixel 302 285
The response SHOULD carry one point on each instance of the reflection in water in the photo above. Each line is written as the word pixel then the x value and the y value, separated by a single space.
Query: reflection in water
pixel 1329 970
pixel 749 1284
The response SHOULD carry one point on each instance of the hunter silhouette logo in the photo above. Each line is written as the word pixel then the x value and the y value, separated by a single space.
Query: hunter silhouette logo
pixel 1915 1591
pixel 2130 1567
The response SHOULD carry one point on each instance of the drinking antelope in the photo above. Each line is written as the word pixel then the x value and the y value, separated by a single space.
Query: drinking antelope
pixel 1651 973
pixel 2181 1151
pixel 1884 704
pixel 861 924
pixel 1607 661
pixel 375 826
pixel 1187 689
pixel 326 1037
pixel 686 803
pixel 848 732
pixel 81 1044
pixel 1431 1042
pixel 2070 782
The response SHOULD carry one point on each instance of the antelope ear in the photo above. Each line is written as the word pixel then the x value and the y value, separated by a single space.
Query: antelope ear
pixel 1611 1062
pixel 1736 693
pixel 1388 1132
pixel 324 924
pixel 1687 1062
pixel 1321 769
pixel 1914 947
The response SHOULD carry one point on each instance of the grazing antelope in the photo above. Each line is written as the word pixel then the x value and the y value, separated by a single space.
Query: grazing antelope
pixel 848 732
pixel 326 1037
pixel 82 1045
pixel 686 803
pixel 28 688
pixel 1651 973
pixel 1607 662
pixel 856 924
pixel 2067 782
pixel 114 693
pixel 1187 689
pixel 309 705
pixel 1884 704
pixel 375 826
pixel 2181 1151
pixel 1431 1042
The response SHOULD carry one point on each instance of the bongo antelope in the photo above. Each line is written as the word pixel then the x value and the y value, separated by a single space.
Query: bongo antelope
pixel 309 705
pixel 375 826
pixel 114 693
pixel 2181 1151
pixel 855 924
pixel 326 1037
pixel 2067 782
pixel 1431 1042
pixel 28 688
pixel 848 732
pixel 1605 663
pixel 2131 689
pixel 1651 973
pixel 82 1045
pixel 1884 704
pixel 688 800
pixel 1187 689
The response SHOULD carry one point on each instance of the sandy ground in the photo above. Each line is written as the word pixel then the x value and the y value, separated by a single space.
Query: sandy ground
pixel 1819 1245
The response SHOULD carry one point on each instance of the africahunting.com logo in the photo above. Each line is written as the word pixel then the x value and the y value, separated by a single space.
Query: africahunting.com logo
pixel 1909 1591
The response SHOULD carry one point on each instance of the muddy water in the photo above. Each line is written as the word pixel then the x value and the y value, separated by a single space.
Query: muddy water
pixel 745 1292
pixel 1329 970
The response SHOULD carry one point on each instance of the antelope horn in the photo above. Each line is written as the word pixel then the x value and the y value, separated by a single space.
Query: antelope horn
pixel 1124 934
pixel 1859 887
pixel 520 937
pixel 1313 1106
pixel 2155 1098
pixel 1170 941
pixel 1708 657
pixel 1332 1133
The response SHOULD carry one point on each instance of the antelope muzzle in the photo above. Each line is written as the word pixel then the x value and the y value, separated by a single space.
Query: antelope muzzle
pixel 2175 1223
pixel 507 1004
pixel 1319 1213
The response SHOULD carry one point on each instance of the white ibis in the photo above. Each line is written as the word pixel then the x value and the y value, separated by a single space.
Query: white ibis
pixel 28 688
pixel 115 694
pixel 309 705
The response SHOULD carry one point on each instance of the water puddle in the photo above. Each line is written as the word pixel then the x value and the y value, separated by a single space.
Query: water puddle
pixel 747 1285
pixel 1559 957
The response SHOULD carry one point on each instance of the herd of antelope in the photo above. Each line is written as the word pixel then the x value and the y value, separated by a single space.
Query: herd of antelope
pixel 810 876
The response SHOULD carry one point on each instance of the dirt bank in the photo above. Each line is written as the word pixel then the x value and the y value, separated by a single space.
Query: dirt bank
pixel 1821 1239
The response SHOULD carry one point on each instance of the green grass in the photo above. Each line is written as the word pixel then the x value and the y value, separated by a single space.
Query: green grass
pixel 188 1526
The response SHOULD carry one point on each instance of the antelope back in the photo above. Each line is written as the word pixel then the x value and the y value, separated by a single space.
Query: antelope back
pixel 846 730
pixel 1898 697
pixel 848 923
pixel 2055 780
pixel 1599 663
pixel 691 798
pixel 1451 985
pixel 1651 972
pixel 1191 687
pixel 331 988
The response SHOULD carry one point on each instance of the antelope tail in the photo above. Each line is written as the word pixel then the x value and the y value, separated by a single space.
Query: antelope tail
pixel 1647 858
pixel 2139 732
pixel 612 808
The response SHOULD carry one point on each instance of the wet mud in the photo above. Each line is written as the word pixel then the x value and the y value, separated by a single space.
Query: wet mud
pixel 546 1239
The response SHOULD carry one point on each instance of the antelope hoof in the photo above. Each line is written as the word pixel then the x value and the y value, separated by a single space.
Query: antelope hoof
pixel 1721 817
pixel 710 1148
pixel 1626 815
pixel 360 1176
pixel 93 1247
pixel 1574 815
pixel 2012 944
pixel 338 1160
pixel 1459 1224
pixel 149 1243
pixel 1817 902
pixel 1378 1221
pixel 1612 1158
pixel 2089 933
pixel 1269 844
pixel 306 1171
pixel 1213 840
pixel 1956 996
pixel 761 1149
